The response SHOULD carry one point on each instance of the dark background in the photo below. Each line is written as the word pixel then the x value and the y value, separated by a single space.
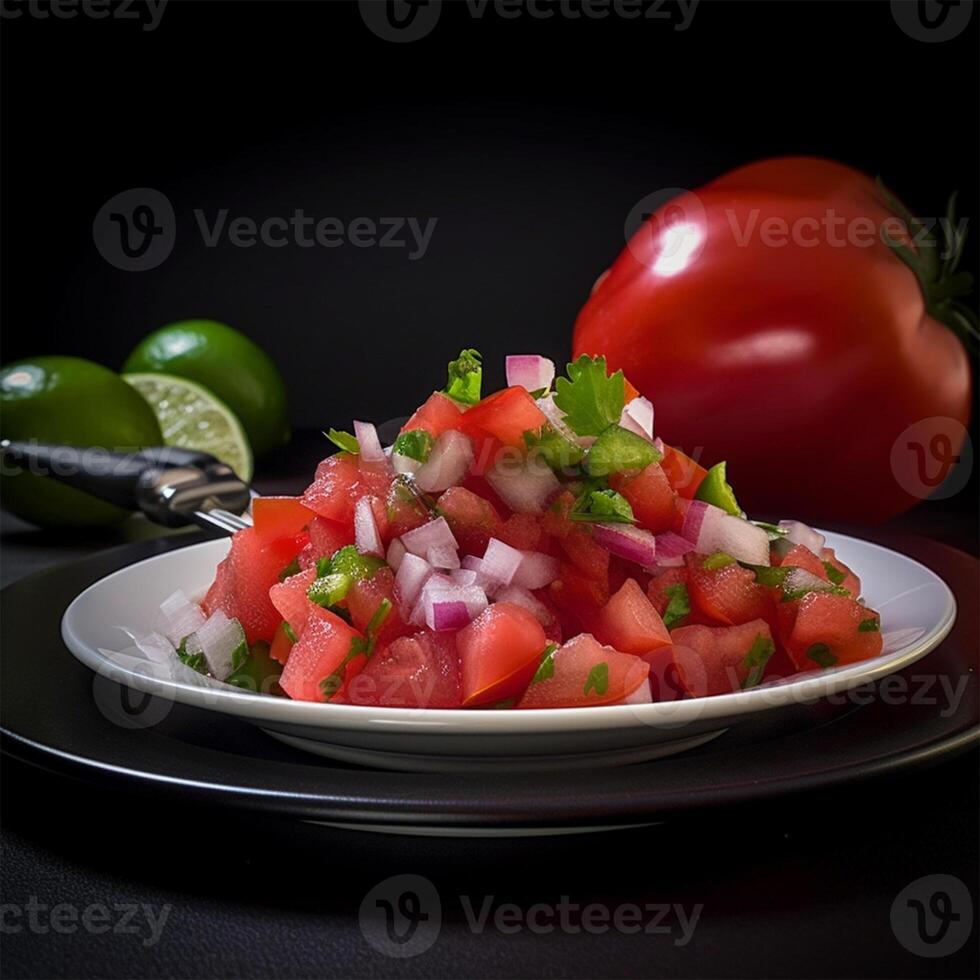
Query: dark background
pixel 530 141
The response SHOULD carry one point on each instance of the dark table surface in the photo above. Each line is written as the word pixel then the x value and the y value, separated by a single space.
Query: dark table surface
pixel 99 884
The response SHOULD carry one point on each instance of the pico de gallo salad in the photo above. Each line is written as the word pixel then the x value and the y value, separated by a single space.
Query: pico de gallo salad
pixel 535 547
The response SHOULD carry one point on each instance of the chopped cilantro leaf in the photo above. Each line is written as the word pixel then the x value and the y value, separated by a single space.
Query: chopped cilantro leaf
pixel 820 654
pixel 239 655
pixel 289 631
pixel 193 660
pixel 834 573
pixel 768 575
pixel 618 449
pixel 539 393
pixel 589 397
pixel 756 659
pixel 871 625
pixel 678 606
pixel 465 377
pixel 604 506
pixel 416 444
pixel 546 668
pixel 554 448
pixel 718 560
pixel 773 531
pixel 344 441
pixel 598 679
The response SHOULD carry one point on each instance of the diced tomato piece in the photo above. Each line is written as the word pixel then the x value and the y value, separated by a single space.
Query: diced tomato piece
pixel 712 659
pixel 380 512
pixel 328 537
pixel 319 653
pixel 586 673
pixel 438 414
pixel 850 581
pixel 420 671
pixel 522 531
pixel 729 595
pixel 279 517
pixel 578 599
pixel 221 594
pixel 657 590
pixel 620 570
pixel 473 520
pixel 828 632
pixel 631 392
pixel 629 623
pixel 404 511
pixel 499 653
pixel 243 580
pixel 506 415
pixel 488 450
pixel 576 541
pixel 651 496
pixel 290 601
pixel 341 480
pixel 665 681
pixel 799 556
pixel 282 643
pixel 365 596
pixel 684 474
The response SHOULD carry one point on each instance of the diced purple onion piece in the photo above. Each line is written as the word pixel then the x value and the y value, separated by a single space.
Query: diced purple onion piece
pixel 501 561
pixel 530 371
pixel 369 443
pixel 536 570
pixel 521 597
pixel 442 556
pixel 412 575
pixel 637 417
pixel 671 549
pixel 396 552
pixel 632 543
pixel 448 615
pixel 435 534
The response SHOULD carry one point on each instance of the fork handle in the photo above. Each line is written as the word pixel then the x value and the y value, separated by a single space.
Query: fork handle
pixel 115 477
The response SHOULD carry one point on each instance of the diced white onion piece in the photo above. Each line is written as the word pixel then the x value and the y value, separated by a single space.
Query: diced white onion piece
pixel 218 638
pixel 473 599
pixel 473 564
pixel 632 543
pixel 178 617
pixel 642 695
pixel 448 463
pixel 154 646
pixel 443 557
pixel 396 552
pixel 671 549
pixel 367 539
pixel 536 570
pixel 413 573
pixel 405 464
pixel 530 371
pixel 521 597
pixel 369 443
pixel 501 561
pixel 463 576
pixel 799 533
pixel 637 416
pixel 658 444
pixel 733 535
pixel 556 418
pixel 435 534
pixel 799 580
pixel 527 486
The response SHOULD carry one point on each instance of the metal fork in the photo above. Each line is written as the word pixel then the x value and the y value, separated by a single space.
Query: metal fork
pixel 171 486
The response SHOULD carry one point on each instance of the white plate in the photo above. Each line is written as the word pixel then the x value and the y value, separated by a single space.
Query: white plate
pixel 917 611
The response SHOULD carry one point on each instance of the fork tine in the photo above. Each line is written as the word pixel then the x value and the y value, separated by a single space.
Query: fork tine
pixel 238 521
pixel 213 521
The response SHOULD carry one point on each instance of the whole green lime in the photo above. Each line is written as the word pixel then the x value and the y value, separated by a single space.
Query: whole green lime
pixel 74 402
pixel 226 362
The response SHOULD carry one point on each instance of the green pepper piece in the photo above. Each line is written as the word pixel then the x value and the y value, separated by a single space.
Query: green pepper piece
pixel 258 672
pixel 715 489
pixel 617 449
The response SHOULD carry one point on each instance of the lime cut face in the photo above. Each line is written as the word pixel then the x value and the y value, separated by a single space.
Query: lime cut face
pixel 193 418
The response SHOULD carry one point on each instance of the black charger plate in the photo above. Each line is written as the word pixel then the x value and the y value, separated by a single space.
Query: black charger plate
pixel 55 714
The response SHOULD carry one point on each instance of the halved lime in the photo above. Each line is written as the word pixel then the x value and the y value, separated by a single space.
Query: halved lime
pixel 192 417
